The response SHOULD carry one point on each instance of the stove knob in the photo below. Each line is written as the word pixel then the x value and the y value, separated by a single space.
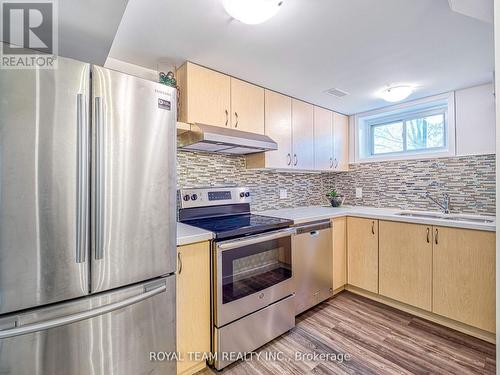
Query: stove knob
pixel 194 197
pixel 242 195
pixel 186 197
pixel 247 194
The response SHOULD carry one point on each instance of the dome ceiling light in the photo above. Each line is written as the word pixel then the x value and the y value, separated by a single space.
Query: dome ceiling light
pixel 252 12
pixel 396 93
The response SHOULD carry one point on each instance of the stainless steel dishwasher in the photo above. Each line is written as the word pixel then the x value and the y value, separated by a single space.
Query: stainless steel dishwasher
pixel 312 265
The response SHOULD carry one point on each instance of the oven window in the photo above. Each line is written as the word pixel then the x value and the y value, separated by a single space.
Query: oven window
pixel 252 268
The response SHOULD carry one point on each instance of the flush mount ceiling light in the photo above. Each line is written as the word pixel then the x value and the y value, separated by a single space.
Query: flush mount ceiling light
pixel 396 93
pixel 252 12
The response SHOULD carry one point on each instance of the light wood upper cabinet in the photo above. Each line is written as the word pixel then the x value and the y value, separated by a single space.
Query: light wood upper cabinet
pixel 464 276
pixel 247 106
pixel 405 263
pixel 362 253
pixel 323 139
pixel 193 304
pixel 341 142
pixel 339 231
pixel 205 95
pixel 278 125
pixel 302 135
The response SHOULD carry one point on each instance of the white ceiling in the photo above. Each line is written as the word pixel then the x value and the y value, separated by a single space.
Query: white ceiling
pixel 310 46
pixel 87 28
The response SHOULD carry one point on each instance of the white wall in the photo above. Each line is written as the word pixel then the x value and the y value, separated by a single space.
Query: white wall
pixel 475 120
pixel 137 70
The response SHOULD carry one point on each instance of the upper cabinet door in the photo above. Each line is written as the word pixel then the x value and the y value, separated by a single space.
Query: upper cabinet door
pixel 279 128
pixel 205 95
pixel 323 139
pixel 247 106
pixel 341 142
pixel 302 135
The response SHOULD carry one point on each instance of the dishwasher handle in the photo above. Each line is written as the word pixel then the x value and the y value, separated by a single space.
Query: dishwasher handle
pixel 313 228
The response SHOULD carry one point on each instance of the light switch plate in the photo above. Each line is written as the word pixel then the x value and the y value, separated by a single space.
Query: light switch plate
pixel 283 194
pixel 359 192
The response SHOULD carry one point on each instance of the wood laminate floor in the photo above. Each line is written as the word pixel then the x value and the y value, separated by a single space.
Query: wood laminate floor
pixel 378 339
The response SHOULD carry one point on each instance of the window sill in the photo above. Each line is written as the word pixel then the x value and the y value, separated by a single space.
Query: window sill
pixel 413 156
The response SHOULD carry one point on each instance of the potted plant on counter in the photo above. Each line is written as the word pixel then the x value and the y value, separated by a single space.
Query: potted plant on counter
pixel 336 200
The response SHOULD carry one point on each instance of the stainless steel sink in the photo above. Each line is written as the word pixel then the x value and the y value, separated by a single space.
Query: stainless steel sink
pixel 451 217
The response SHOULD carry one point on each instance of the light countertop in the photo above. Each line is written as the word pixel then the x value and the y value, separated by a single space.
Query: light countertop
pixel 301 215
pixel 186 234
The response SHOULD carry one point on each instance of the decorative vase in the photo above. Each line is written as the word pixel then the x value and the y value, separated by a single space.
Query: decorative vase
pixel 337 201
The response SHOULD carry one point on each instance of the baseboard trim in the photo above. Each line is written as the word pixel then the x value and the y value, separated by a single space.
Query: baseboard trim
pixel 453 324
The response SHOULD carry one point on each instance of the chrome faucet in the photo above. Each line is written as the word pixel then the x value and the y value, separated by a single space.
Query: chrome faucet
pixel 446 202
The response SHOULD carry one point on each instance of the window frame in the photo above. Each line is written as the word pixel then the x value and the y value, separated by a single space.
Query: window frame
pixel 404 118
pixel 360 137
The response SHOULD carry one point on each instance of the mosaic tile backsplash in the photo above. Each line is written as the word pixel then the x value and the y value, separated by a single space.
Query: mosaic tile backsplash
pixel 470 181
pixel 198 169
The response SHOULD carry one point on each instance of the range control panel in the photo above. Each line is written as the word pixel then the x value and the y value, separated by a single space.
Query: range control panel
pixel 204 197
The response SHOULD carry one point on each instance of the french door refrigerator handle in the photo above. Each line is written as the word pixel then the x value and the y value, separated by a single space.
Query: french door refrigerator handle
pixel 82 178
pixel 83 315
pixel 99 177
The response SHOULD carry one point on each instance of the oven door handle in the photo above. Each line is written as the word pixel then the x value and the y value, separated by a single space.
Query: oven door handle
pixel 233 244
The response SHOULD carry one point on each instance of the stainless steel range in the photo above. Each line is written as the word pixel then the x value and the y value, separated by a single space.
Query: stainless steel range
pixel 252 290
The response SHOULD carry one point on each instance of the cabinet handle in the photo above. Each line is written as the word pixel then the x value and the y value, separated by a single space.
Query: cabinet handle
pixel 373 227
pixel 295 160
pixel 237 119
pixel 331 162
pixel 179 260
pixel 436 237
pixel 288 159
pixel 227 116
pixel 428 235
pixel 336 163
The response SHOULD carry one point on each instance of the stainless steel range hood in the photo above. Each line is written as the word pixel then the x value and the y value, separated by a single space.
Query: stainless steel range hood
pixel 218 139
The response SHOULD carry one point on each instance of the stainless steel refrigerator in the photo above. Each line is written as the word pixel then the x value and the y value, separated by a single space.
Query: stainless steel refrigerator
pixel 87 222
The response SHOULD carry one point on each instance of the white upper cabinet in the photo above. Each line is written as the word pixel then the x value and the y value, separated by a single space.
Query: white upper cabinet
pixel 302 135
pixel 323 139
pixel 278 125
pixel 475 120
pixel 340 142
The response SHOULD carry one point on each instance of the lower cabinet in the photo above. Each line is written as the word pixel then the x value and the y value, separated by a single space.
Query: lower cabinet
pixel 405 263
pixel 193 304
pixel 362 253
pixel 464 276
pixel 339 231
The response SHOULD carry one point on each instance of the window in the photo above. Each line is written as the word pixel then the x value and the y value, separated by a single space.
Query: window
pixel 415 132
pixel 423 128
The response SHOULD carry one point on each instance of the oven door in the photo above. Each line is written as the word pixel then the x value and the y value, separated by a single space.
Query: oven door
pixel 251 273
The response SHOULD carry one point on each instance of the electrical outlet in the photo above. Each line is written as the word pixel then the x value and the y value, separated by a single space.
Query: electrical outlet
pixel 359 192
pixel 283 194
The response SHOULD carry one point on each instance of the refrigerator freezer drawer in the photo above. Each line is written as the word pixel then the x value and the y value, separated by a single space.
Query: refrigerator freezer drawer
pixel 254 330
pixel 105 334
